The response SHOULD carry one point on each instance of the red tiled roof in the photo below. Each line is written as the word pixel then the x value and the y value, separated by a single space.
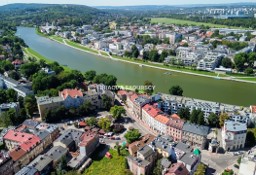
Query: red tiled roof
pixel 175 116
pixel 82 124
pixel 17 153
pixel 253 109
pixel 72 93
pixel 151 110
pixel 162 119
pixel 177 169
pixel 176 123
pixel 17 136
pixel 135 146
pixel 87 138
pixel 17 62
pixel 31 143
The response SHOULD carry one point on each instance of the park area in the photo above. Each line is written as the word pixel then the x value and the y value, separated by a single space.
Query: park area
pixel 116 165
pixel 186 22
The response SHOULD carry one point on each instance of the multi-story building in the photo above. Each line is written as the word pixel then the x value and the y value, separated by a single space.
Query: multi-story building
pixel 195 135
pixel 28 171
pixel 6 163
pixel 149 112
pixel 163 145
pixel 56 153
pixel 210 61
pixel 177 169
pixel 248 163
pixel 233 135
pixel 6 106
pixel 160 123
pixel 174 127
pixel 43 164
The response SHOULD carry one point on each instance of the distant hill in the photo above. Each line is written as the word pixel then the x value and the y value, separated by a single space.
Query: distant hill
pixel 37 14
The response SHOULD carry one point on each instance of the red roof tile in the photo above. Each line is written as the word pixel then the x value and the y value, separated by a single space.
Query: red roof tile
pixel 175 116
pixel 87 138
pixel 31 143
pixel 17 136
pixel 17 153
pixel 71 92
pixel 162 119
pixel 177 169
pixel 176 123
pixel 151 110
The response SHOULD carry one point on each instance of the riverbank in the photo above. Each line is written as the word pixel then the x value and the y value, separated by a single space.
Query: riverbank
pixel 142 64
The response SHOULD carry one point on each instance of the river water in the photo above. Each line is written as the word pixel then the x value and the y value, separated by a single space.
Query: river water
pixel 229 92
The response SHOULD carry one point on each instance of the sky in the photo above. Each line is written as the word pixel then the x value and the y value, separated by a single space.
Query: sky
pixel 123 2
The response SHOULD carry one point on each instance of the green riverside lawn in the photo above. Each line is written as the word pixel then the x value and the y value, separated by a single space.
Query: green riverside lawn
pixel 104 166
pixel 31 53
pixel 187 22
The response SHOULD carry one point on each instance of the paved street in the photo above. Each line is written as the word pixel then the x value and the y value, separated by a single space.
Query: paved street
pixel 219 162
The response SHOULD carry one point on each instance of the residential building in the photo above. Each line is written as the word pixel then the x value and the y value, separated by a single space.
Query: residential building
pixel 70 139
pixel 6 163
pixel 45 138
pixel 210 61
pixel 43 164
pixel 184 154
pixel 160 123
pixel 195 135
pixel 174 127
pixel 56 153
pixel 177 169
pixel 19 157
pixel 253 113
pixel 28 171
pixel 14 138
pixel 138 103
pixel 137 145
pixel 52 129
pixel 233 135
pixel 248 163
pixel 163 145
pixel 6 106
pixel 89 142
pixel 149 112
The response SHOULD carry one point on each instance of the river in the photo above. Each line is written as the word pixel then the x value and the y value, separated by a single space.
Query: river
pixel 229 92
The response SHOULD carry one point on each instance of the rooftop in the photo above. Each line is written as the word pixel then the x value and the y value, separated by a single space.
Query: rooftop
pixel 56 152
pixel 87 139
pixel 135 146
pixel 27 170
pixel 30 143
pixel 30 123
pixel 17 153
pixel 176 122
pixel 146 151
pixel 40 162
pixel 235 126
pixel 73 93
pixel 177 169
pixel 17 136
pixel 196 129
pixel 162 118
pixel 139 162
pixel 151 110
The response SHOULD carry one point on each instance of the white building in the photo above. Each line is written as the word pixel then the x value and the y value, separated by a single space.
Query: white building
pixel 248 163
pixel 233 135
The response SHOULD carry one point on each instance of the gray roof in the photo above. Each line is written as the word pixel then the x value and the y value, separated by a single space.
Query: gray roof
pixel 139 162
pixel 42 134
pixel 165 163
pixel 27 170
pixel 30 123
pixel 196 129
pixel 163 143
pixel 146 151
pixel 41 162
pixel 69 136
pixel 183 147
pixel 189 159
pixel 57 152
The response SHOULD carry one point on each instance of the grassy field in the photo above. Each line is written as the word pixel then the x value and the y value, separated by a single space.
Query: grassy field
pixel 79 46
pixel 184 22
pixel 31 53
pixel 104 166
pixel 57 38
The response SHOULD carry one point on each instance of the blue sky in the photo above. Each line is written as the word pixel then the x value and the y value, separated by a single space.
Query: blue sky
pixel 123 2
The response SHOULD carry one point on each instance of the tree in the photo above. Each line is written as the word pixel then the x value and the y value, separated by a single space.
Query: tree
pixel 89 75
pixel 228 172
pixel 85 108
pixel 149 88
pixel 176 90
pixel 213 120
pixel 184 113
pixel 200 120
pixel 153 55
pixel 240 60
pixel 104 123
pixel 250 139
pixel 117 111
pixel 158 168
pixel 3 96
pixel 14 75
pixel 106 102
pixel 239 160
pixel 197 117
pixel 201 169
pixel 145 55
pixel 163 55
pixel 248 71
pixel 30 104
pixel 226 62
pixel 12 95
pixel 29 69
pixel 92 121
pixel 118 148
pixel 132 135
pixel 5 119
pixel 135 52
pixel 222 118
